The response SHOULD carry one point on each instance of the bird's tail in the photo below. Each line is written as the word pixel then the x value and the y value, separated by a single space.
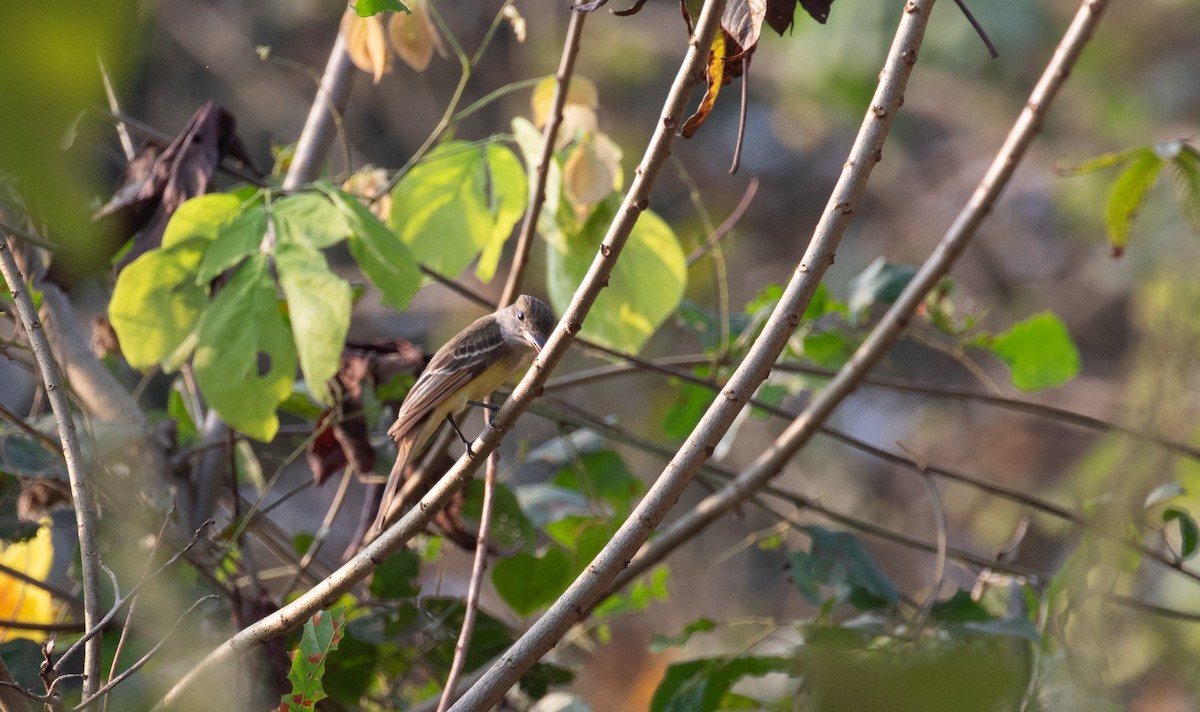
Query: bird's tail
pixel 404 449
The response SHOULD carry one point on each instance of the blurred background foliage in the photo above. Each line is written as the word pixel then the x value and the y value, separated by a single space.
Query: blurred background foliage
pixel 1133 319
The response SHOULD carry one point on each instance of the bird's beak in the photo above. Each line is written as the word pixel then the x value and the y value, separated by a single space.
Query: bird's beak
pixel 537 342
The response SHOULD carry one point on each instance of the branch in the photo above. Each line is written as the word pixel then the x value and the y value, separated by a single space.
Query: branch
pixel 562 83
pixel 638 199
pixel 877 344
pixel 330 101
pixel 81 491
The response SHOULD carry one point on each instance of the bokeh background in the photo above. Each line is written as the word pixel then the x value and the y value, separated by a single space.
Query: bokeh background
pixel 1134 319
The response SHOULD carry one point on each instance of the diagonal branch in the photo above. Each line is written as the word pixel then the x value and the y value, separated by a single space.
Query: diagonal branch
pixel 637 200
pixel 880 341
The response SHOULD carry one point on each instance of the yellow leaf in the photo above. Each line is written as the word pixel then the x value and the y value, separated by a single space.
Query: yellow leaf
pixel 413 36
pixel 22 601
pixel 715 77
pixel 366 44
pixel 368 184
pixel 592 170
pixel 581 93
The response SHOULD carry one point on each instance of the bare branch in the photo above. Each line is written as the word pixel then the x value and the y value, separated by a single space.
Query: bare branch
pixel 537 198
pixel 81 489
pixel 894 321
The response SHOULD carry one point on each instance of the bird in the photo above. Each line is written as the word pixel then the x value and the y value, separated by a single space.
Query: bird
pixel 466 370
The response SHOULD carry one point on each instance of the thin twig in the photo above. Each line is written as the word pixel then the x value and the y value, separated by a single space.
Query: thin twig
pixel 724 228
pixel 322 533
pixel 115 107
pixel 81 490
pixel 327 107
pixel 137 665
pixel 537 196
pixel 462 646
pixel 898 315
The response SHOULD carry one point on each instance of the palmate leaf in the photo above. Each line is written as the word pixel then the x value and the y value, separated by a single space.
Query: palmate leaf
pixel 380 254
pixel 245 358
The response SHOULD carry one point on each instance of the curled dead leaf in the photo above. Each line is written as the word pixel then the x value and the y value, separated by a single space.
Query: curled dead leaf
pixel 366 43
pixel 413 36
pixel 369 185
pixel 592 170
pixel 513 16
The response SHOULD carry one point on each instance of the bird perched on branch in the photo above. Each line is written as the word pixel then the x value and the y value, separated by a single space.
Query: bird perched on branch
pixel 469 367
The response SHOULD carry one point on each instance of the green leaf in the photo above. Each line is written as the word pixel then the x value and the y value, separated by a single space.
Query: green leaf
pixel 510 527
pixel 686 411
pixel 1039 351
pixel 245 361
pixel 440 208
pixel 645 591
pixel 661 643
pixel 1127 194
pixel 383 258
pixel 319 305
pixel 308 219
pixel 840 560
pixel 1187 184
pixel 699 685
pixel 205 216
pixel 527 582
pixel 1189 532
pixel 396 577
pixel 508 202
pixel 602 476
pixel 646 284
pixel 322 634
pixel 156 304
pixel 233 242
pixel 529 141
pixel 880 283
pixel 367 8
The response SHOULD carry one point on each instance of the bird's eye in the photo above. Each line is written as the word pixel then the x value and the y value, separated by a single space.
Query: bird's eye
pixel 520 316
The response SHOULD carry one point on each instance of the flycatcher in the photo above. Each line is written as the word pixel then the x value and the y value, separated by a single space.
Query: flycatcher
pixel 468 368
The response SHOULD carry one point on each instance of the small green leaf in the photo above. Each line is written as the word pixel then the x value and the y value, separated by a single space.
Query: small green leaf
pixel 367 8
pixel 308 219
pixel 440 208
pixel 322 634
pixel 319 305
pixel 527 582
pixel 383 258
pixel 156 303
pixel 1127 194
pixel 1187 184
pixel 507 205
pixel 233 242
pixel 204 216
pixel 880 283
pixel 1039 352
pixel 1189 532
pixel 661 643
pixel 245 360
pixel 646 284
pixel 652 589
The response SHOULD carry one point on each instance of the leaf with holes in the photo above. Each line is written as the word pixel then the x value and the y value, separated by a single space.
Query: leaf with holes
pixel 245 360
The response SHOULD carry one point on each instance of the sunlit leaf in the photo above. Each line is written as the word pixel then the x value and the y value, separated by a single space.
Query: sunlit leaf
pixel 715 78
pixel 205 216
pixel 509 196
pixel 380 254
pixel 529 140
pixel 1039 351
pixel 1186 168
pixel 592 169
pixel 1127 194
pixel 367 8
pixel 156 303
pixel 580 93
pixel 308 219
pixel 235 240
pixel 22 601
pixel 319 306
pixel 440 209
pixel 644 289
pixel 245 360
